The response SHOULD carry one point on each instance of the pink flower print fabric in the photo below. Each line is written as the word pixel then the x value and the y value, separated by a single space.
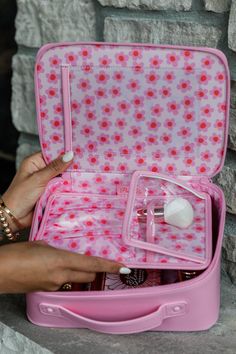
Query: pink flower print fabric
pixel 132 108
pixel 142 100
pixel 96 230
pixel 90 222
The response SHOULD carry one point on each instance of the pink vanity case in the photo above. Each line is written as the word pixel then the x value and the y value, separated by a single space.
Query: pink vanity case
pixel 147 124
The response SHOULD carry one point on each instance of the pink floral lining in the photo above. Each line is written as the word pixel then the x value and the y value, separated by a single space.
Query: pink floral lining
pixel 91 223
pixel 132 108
pixel 159 109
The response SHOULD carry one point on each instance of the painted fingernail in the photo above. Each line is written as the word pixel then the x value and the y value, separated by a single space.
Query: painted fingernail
pixel 68 156
pixel 124 270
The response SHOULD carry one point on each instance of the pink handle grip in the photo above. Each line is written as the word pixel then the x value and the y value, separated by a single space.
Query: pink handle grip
pixel 136 325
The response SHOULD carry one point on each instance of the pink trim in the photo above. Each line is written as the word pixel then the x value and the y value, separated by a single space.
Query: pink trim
pixel 37 103
pixel 55 182
pixel 65 70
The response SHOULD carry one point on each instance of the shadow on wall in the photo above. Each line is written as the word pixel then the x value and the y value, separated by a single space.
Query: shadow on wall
pixel 8 133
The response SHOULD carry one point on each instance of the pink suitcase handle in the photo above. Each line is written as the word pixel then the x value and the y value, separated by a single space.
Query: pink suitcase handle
pixel 143 323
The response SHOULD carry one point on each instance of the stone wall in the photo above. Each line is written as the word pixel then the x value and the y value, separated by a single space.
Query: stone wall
pixel 209 23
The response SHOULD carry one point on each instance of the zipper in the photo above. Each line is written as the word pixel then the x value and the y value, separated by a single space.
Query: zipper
pixel 200 179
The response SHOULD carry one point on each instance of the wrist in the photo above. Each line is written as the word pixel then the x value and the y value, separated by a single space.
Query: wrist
pixel 13 222
pixel 7 231
pixel 12 203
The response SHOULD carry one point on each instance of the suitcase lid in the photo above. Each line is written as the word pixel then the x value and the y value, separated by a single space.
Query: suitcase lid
pixel 127 107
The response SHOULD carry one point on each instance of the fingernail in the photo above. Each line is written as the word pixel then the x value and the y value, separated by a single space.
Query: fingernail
pixel 124 270
pixel 68 156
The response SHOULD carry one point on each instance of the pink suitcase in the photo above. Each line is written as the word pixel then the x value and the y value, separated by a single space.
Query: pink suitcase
pixel 146 123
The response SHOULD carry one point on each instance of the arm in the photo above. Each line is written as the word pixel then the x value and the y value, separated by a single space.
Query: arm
pixel 36 266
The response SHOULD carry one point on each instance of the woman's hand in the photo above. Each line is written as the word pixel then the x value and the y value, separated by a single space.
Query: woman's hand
pixel 29 183
pixel 35 266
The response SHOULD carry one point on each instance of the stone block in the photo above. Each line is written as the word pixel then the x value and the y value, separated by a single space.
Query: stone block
pixel 23 98
pixel 226 179
pixel 178 5
pixel 231 56
pixel 217 5
pixel 230 268
pixel 232 130
pixel 41 21
pixel 233 95
pixel 229 241
pixel 161 32
pixel 28 144
pixel 232 27
pixel 14 342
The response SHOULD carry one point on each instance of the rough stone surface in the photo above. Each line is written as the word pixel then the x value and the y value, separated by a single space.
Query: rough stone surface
pixel 226 179
pixel 232 27
pixel 229 242
pixel 23 99
pixel 14 342
pixel 42 21
pixel 233 95
pixel 231 56
pixel 232 130
pixel 161 32
pixel 230 269
pixel 217 5
pixel 27 146
pixel 219 339
pixel 178 5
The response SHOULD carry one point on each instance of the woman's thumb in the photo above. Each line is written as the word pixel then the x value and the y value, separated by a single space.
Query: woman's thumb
pixel 56 167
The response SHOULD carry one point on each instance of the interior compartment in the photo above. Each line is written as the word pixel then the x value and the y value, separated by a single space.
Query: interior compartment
pixel 138 278
pixel 163 276
pixel 91 209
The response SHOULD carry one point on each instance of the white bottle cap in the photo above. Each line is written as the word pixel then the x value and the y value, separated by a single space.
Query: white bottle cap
pixel 179 212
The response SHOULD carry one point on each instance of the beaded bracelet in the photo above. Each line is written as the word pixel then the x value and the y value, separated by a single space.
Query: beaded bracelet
pixel 6 227
pixel 14 219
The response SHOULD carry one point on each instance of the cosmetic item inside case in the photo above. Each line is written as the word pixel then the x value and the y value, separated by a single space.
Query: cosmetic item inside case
pixel 138 278
pixel 185 232
pixel 93 224
pixel 165 276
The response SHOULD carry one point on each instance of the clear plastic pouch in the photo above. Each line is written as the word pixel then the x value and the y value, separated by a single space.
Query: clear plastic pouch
pixel 110 226
pixel 169 238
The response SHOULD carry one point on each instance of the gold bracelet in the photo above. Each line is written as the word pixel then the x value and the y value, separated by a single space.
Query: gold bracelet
pixel 66 287
pixel 6 227
pixel 14 219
